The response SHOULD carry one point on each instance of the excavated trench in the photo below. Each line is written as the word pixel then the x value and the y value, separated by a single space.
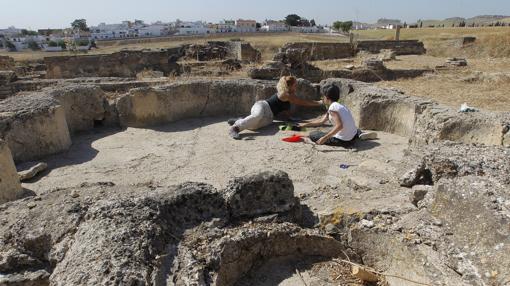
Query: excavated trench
pixel 255 231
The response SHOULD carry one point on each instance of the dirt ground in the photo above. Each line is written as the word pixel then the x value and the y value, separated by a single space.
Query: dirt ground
pixel 200 150
pixel 483 84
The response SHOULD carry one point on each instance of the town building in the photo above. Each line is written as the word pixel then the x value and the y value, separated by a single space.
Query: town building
pixel 193 28
pixel 246 26
pixel 274 26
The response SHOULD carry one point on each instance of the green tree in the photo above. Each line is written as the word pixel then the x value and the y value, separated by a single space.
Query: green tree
pixel 33 45
pixel 346 26
pixel 52 44
pixel 80 24
pixel 337 25
pixel 26 32
pixel 10 46
pixel 292 20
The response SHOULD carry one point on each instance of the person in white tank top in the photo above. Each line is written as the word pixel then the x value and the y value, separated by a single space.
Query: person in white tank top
pixel 344 131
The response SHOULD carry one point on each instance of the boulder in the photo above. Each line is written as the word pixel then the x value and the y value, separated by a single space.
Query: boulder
pixel 10 185
pixel 259 194
pixel 34 126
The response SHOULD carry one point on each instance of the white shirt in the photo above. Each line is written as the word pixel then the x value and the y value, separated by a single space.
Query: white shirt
pixel 349 129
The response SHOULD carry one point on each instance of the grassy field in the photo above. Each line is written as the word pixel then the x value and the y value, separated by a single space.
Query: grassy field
pixel 268 44
pixel 444 42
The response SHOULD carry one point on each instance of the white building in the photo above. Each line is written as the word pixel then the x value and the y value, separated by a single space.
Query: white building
pixel 274 26
pixel 246 26
pixel 153 30
pixel 10 32
pixel 193 28
pixel 313 29
pixel 226 26
pixel 111 31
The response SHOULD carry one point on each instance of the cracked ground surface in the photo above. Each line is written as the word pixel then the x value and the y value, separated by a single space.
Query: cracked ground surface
pixel 200 150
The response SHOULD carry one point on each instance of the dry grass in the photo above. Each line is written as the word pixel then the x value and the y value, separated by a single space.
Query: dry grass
pixel 268 44
pixel 487 87
pixel 444 42
pixel 483 84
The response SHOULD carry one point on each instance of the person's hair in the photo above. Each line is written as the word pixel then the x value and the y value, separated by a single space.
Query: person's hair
pixel 285 83
pixel 331 91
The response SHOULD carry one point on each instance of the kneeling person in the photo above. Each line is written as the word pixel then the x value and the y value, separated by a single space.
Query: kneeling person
pixel 344 131
pixel 263 111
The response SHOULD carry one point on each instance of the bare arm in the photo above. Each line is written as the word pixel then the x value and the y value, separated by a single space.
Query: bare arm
pixel 303 102
pixel 338 126
pixel 317 122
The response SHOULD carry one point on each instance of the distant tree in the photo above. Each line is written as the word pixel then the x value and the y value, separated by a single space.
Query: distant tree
pixel 26 32
pixel 304 23
pixel 10 46
pixel 33 45
pixel 312 23
pixel 405 24
pixel 292 20
pixel 259 25
pixel 346 26
pixel 462 24
pixel 421 24
pixel 453 25
pixel 52 44
pixel 337 25
pixel 80 24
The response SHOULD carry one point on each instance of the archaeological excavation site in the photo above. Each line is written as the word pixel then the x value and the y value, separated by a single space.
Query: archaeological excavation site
pixel 118 169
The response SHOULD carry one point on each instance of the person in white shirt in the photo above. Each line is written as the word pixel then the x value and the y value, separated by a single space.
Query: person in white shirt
pixel 344 131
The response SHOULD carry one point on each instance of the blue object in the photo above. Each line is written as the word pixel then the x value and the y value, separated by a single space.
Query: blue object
pixel 344 166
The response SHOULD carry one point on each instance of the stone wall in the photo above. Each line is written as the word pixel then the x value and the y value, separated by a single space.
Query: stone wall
pixel 120 64
pixel 34 126
pixel 322 51
pixel 408 47
pixel 6 83
pixel 9 183
pixel 424 122
pixel 327 51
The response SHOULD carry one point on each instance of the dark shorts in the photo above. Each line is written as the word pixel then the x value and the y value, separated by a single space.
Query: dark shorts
pixel 316 135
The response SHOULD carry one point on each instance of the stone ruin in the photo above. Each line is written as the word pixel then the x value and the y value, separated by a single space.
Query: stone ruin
pixel 194 234
pixel 130 63
pixel 438 214
pixel 295 58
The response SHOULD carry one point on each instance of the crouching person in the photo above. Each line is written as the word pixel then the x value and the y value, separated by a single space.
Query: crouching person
pixel 344 132
pixel 263 111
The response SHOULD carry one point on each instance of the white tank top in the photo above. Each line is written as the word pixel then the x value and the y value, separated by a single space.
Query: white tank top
pixel 349 129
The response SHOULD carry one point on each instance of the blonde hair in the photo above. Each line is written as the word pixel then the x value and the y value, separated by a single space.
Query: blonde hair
pixel 285 83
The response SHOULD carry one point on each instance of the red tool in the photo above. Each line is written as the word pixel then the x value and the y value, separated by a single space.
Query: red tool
pixel 293 139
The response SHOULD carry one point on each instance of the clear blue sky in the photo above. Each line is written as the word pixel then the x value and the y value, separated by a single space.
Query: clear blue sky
pixel 36 14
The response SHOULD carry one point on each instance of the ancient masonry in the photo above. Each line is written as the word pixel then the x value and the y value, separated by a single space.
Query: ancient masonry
pixel 130 63
pixel 451 230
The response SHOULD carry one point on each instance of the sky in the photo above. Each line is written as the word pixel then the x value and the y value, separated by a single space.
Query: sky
pixel 40 14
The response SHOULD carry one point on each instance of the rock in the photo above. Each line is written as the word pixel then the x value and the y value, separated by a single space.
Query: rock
pixel 456 62
pixel 349 67
pixel 264 193
pixel 418 193
pixel 387 55
pixel 32 171
pixel 10 185
pixel 366 223
pixel 330 229
pixel 33 125
pixel 413 176
pixel 374 64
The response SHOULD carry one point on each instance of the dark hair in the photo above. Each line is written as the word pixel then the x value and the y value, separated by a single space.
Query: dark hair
pixel 331 91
